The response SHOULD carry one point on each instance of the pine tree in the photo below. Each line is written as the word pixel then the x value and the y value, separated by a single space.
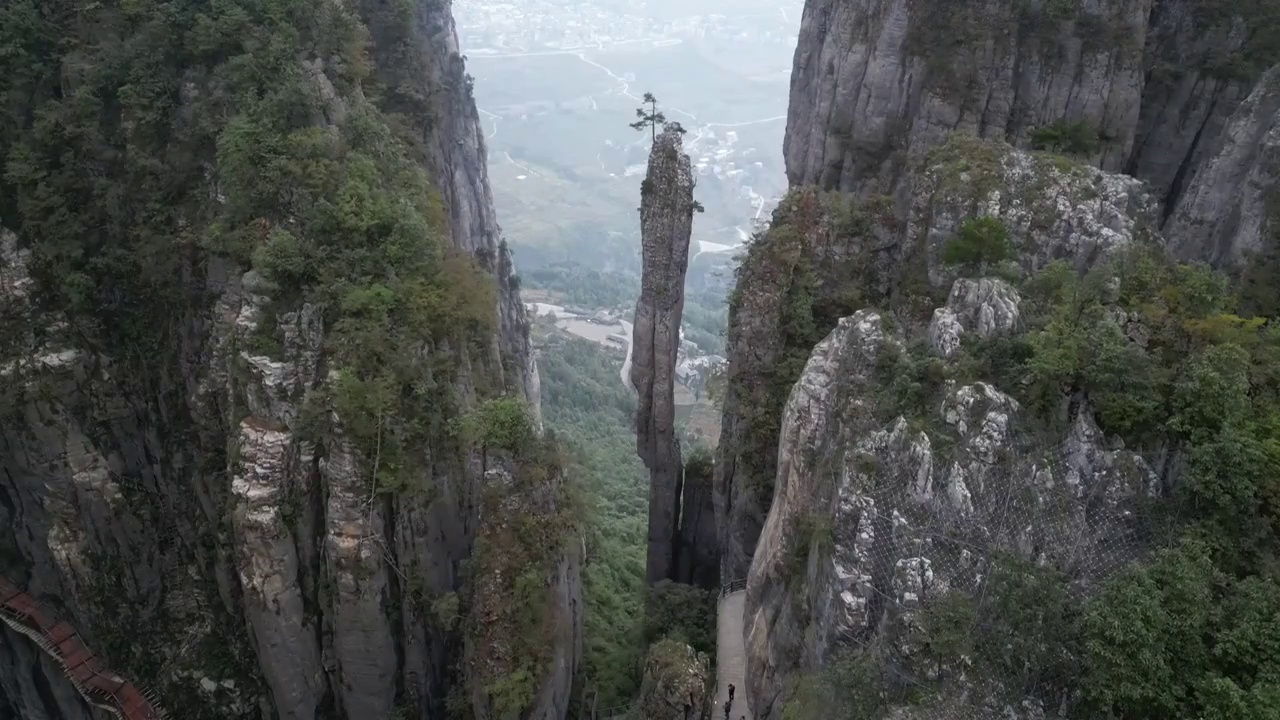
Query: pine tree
pixel 650 118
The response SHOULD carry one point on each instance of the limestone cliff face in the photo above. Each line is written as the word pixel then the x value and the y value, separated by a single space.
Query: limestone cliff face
pixel 883 95
pixel 198 530
pixel 1199 64
pixel 527 551
pixel 457 155
pixel 666 221
pixel 697 555
pixel 1227 213
pixel 876 83
pixel 832 255
pixel 876 521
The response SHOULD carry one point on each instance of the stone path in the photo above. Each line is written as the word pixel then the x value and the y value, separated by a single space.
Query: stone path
pixel 731 657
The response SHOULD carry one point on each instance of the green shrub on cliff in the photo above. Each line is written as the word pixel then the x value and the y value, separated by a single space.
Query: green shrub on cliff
pixel 683 613
pixel 981 243
pixel 1069 138
pixel 195 128
pixel 1190 630
pixel 532 519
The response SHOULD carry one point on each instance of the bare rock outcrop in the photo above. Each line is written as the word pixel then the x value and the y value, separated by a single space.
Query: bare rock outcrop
pixel 666 222
pixel 875 520
pixel 677 683
pixel 985 307
pixel 827 255
pixel 877 83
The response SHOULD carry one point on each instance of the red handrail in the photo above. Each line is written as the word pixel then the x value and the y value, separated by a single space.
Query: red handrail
pixel 57 638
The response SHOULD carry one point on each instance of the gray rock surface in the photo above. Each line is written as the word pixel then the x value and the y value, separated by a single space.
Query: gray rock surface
pixel 666 221
pixel 1053 208
pixel 842 254
pixel 1189 91
pixel 24 694
pixel 820 243
pixel 876 83
pixel 911 519
pixel 677 683
pixel 986 307
pixel 187 521
pixel 697 557
pixel 496 649
pixel 1226 213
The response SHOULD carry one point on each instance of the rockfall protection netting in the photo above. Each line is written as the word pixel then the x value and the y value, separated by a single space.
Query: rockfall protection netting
pixel 960 550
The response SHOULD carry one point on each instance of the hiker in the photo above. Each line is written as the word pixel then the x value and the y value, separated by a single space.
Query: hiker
pixel 726 710
pixel 730 692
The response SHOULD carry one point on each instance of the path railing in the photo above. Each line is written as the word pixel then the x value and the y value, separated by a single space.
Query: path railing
pixel 58 639
pixel 733 586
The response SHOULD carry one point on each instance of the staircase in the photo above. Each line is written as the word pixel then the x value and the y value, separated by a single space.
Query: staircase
pixel 731 653
pixel 56 638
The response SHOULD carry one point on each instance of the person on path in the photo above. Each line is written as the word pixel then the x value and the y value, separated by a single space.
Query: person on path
pixel 730 692
pixel 726 709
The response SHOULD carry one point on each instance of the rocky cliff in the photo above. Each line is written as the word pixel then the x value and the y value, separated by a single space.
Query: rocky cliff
pixel 228 447
pixel 1173 92
pixel 827 255
pixel 677 682
pixel 1225 214
pixel 666 221
pixel 869 499
pixel 878 522
pixel 876 83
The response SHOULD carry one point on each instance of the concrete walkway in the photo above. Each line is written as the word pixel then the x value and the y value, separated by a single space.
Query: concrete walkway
pixel 731 658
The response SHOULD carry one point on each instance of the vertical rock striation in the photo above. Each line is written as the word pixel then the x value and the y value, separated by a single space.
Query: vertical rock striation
pixel 1226 213
pixel 1199 65
pixel 666 221
pixel 697 556
pixel 876 83
pixel 1175 92
pixel 211 525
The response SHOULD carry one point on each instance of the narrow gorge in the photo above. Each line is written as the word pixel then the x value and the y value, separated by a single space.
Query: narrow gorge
pixel 999 424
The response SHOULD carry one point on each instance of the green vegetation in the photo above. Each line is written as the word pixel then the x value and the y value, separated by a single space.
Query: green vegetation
pixel 109 178
pixel 586 405
pixel 147 146
pixel 965 164
pixel 981 244
pixel 580 285
pixel 499 424
pixel 683 613
pixel 651 118
pixel 1192 631
pixel 530 525
pixel 805 299
pixel 1069 138
pixel 1256 51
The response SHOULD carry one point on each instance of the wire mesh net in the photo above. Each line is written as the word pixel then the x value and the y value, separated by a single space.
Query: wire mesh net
pixel 947 555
